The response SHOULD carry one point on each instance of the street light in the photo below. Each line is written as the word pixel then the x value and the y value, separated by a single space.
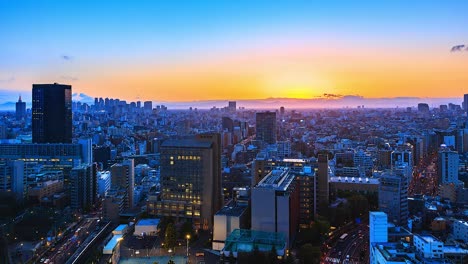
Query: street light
pixel 188 238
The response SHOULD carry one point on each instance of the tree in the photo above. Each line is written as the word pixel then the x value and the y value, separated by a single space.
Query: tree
pixel 163 224
pixel 186 229
pixel 170 236
pixel 171 262
pixel 309 254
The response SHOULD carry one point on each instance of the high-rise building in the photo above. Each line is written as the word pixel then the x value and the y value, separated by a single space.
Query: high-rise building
pixel 83 187
pixel 232 106
pixel 266 127
pixel 51 113
pixel 423 107
pixel 393 196
pixel 148 105
pixel 123 178
pixel 465 102
pixel 378 230
pixel 448 166
pixel 20 109
pixel 190 180
pixel 323 188
pixel 12 178
pixel 275 203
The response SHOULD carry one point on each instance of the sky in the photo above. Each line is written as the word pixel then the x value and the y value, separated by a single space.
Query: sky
pixel 180 51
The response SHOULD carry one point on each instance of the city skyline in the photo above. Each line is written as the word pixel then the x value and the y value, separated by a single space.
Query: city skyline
pixel 170 52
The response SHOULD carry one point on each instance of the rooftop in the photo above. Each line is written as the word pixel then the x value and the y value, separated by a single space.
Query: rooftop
pixel 278 179
pixel 186 143
pixel 121 227
pixel 149 222
pixel 111 244
pixel 232 209
pixel 356 180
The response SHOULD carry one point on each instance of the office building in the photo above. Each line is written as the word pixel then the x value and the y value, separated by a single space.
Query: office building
pixel 245 241
pixel 20 109
pixel 82 184
pixel 275 204
pixel 393 197
pixel 306 182
pixel 148 106
pixel 465 103
pixel 62 157
pixel 378 227
pixel 104 182
pixel 428 246
pixel 12 179
pixel 460 230
pixel 190 180
pixel 323 187
pixel 266 127
pixel 51 113
pixel 448 166
pixel 232 106
pixel 234 215
pixel 123 178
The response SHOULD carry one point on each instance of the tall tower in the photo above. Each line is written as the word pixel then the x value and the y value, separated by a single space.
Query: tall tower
pixel 51 113
pixel 20 109
pixel 323 188
pixel 266 127
pixel 448 166
pixel 190 180
pixel 83 187
pixel 393 196
pixel 123 177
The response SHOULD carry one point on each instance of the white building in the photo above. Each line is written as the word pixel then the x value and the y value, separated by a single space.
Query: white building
pixel 460 230
pixel 428 246
pixel 275 206
pixel 104 182
pixel 448 166
pixel 232 216
pixel 378 227
pixel 146 227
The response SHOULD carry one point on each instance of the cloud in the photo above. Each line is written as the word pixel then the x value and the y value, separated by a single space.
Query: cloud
pixel 7 80
pixel 69 78
pixel 66 57
pixel 457 48
pixel 330 96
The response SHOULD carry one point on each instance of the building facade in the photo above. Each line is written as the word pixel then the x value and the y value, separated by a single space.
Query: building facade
pixel 52 113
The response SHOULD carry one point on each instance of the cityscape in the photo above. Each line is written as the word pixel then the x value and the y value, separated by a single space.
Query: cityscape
pixel 233 132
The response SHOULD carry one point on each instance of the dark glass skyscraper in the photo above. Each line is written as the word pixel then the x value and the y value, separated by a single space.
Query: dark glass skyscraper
pixel 52 113
pixel 266 127
pixel 20 109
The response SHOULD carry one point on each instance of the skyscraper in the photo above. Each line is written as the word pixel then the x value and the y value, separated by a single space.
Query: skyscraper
pixel 448 166
pixel 51 113
pixel 83 187
pixel 20 109
pixel 465 103
pixel 12 178
pixel 123 177
pixel 393 196
pixel 266 127
pixel 232 106
pixel 323 188
pixel 190 180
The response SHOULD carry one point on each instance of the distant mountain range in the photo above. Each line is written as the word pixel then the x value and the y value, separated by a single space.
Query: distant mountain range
pixel 325 101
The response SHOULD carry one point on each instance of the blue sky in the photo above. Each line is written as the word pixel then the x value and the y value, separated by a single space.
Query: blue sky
pixel 83 42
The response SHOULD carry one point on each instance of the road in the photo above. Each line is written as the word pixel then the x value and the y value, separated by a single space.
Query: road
pixel 424 180
pixel 354 249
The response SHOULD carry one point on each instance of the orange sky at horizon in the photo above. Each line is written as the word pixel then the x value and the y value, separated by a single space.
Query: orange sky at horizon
pixel 295 71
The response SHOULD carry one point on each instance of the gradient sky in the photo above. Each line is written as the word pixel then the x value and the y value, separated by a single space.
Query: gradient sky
pixel 205 50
